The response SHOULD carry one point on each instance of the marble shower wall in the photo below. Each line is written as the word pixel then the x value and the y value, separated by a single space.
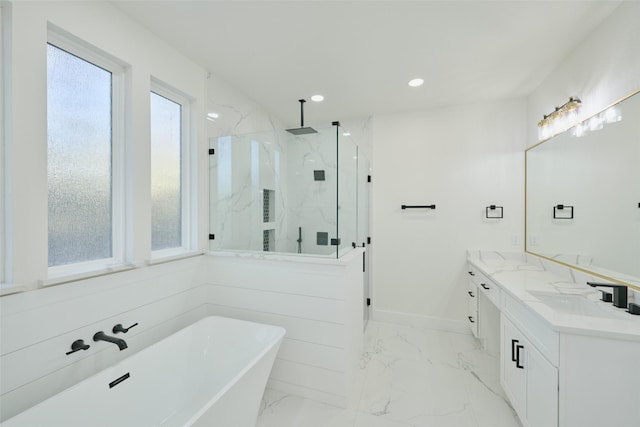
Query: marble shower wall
pixel 313 202
pixel 242 169
pixel 300 174
pixel 323 206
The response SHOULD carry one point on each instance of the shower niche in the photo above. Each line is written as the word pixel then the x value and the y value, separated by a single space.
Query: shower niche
pixel 268 205
pixel 275 191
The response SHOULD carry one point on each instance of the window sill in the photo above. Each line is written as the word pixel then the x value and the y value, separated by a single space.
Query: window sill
pixel 168 256
pixel 8 289
pixel 58 279
pixel 87 274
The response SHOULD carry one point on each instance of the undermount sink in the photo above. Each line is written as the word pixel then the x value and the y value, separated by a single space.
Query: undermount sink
pixel 577 305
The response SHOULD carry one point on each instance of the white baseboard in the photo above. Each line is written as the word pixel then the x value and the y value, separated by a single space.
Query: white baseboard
pixel 420 321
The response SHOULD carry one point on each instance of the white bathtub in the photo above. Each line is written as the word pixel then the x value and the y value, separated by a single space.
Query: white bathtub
pixel 212 373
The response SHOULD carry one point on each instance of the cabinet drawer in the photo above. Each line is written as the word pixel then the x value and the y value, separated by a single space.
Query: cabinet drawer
pixel 472 293
pixel 473 273
pixel 490 289
pixel 472 313
pixel 485 285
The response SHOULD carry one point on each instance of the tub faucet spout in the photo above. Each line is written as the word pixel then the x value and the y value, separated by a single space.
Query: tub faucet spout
pixel 101 336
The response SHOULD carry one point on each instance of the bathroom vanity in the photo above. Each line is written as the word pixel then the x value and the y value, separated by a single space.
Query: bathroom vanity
pixel 566 358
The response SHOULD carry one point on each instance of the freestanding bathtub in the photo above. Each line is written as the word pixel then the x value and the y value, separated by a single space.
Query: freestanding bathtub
pixel 212 373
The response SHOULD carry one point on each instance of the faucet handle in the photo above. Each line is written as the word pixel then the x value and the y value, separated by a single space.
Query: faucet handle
pixel 119 328
pixel 78 345
pixel 606 296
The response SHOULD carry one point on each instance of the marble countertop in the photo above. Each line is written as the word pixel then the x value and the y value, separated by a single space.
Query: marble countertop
pixel 527 278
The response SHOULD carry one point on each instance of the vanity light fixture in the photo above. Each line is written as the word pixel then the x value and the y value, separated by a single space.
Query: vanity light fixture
pixel 559 120
pixel 597 122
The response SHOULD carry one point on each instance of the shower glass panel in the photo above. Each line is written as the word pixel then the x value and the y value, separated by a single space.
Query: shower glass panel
pixel 347 193
pixel 278 192
pixel 364 171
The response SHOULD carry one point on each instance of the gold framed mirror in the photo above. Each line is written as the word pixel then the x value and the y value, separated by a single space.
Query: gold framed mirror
pixel 582 195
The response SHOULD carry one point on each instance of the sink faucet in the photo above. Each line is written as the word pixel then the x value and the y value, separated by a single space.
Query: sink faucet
pixel 101 336
pixel 619 293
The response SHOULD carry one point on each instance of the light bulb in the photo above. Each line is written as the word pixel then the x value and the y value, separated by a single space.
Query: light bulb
pixel 579 130
pixel 595 123
pixel 612 115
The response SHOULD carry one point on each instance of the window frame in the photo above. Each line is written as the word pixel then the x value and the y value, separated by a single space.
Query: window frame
pixel 164 90
pixel 118 259
pixel 3 225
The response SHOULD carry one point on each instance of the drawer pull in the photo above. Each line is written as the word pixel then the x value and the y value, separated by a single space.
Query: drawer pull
pixel 484 286
pixel 518 365
pixel 513 350
pixel 471 319
pixel 471 273
pixel 471 294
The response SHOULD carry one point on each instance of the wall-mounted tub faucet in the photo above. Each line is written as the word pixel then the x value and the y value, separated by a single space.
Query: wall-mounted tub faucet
pixel 101 336
pixel 619 293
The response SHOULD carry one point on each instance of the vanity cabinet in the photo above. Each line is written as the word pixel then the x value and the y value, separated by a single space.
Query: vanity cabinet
pixel 572 374
pixel 529 380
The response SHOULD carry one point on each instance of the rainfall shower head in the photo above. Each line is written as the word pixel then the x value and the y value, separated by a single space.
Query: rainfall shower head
pixel 302 130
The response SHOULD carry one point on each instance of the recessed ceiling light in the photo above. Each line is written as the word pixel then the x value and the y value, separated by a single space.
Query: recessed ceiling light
pixel 317 98
pixel 416 82
pixel 346 134
pixel 213 116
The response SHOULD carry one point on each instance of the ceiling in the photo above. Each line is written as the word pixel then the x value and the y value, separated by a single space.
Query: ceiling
pixel 361 54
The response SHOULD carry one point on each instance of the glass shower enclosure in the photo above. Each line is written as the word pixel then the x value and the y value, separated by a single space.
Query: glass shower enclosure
pixel 297 194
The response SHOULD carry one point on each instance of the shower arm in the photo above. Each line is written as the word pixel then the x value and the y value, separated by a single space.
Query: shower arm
pixel 301 101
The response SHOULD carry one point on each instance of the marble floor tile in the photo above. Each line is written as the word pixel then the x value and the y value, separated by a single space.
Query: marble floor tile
pixel 407 377
pixel 281 410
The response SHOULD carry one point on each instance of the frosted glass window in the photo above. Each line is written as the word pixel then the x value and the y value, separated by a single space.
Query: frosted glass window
pixel 166 173
pixel 2 223
pixel 79 150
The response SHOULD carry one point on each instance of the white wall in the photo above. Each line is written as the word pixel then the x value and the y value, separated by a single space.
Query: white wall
pixel 604 68
pixel 462 159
